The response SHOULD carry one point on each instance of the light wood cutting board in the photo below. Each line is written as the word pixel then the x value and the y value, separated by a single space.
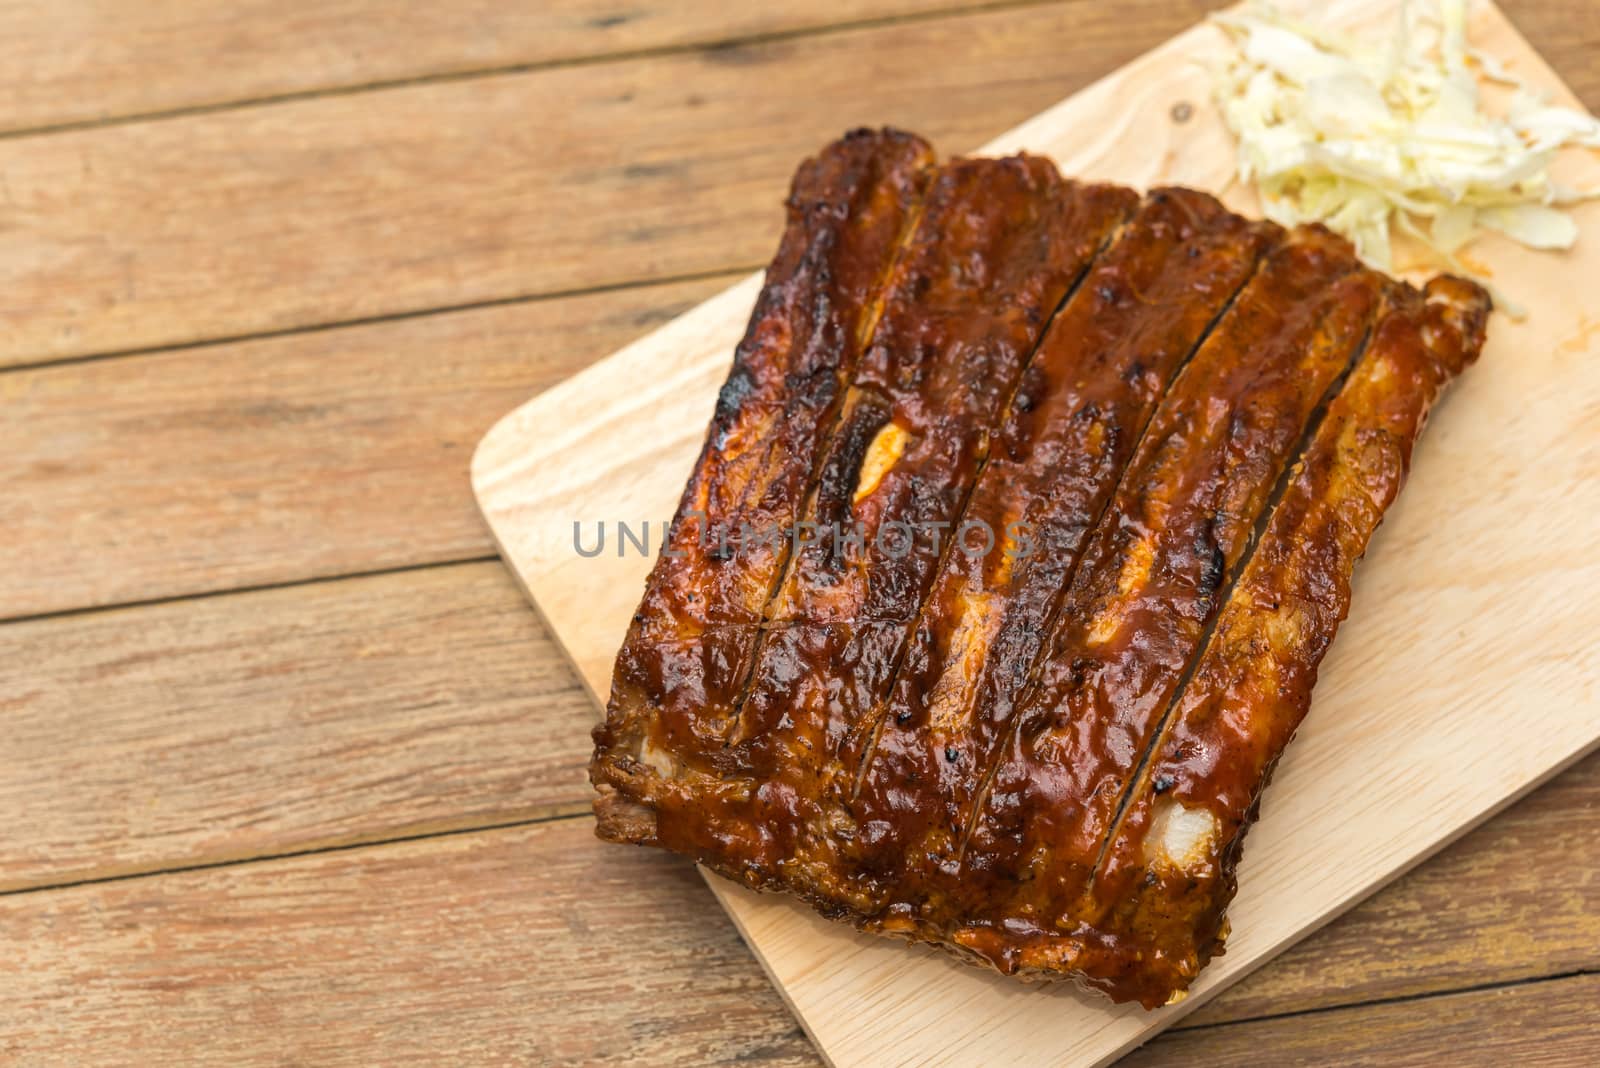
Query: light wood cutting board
pixel 1466 673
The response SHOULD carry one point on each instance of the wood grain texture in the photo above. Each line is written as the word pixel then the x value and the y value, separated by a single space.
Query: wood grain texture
pixel 1384 773
pixel 1567 34
pixel 202 731
pixel 331 209
pixel 451 950
pixel 251 725
pixel 422 949
pixel 394 705
pixel 1550 1023
pixel 71 61
pixel 339 208
pixel 279 459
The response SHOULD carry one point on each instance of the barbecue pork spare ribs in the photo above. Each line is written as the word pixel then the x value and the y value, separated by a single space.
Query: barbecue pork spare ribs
pixel 1025 517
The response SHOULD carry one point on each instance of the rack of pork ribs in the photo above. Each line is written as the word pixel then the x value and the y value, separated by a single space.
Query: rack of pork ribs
pixel 1025 516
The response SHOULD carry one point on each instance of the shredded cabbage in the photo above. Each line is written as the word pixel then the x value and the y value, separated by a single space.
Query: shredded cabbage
pixel 1361 136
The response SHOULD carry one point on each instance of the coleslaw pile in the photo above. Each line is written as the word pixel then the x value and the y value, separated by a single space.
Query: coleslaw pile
pixel 1361 135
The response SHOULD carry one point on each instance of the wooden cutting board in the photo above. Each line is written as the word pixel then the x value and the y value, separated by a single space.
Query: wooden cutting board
pixel 1465 676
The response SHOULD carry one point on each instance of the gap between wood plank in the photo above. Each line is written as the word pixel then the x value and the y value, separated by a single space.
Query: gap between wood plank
pixel 731 274
pixel 751 40
pixel 204 595
pixel 1397 999
pixel 572 810
pixel 581 810
pixel 333 576
pixel 475 73
pixel 372 204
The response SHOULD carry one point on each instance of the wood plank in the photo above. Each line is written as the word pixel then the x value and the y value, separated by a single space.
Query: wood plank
pixel 445 951
pixel 72 61
pixel 279 459
pixel 1549 1023
pixel 1420 729
pixel 542 944
pixel 1567 34
pixel 332 209
pixel 202 731
pixel 338 208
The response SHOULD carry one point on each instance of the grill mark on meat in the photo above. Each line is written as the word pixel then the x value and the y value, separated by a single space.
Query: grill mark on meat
pixel 1252 683
pixel 734 801
pixel 797 354
pixel 813 381
pixel 1216 571
pixel 1088 342
pixel 1137 602
pixel 1009 240
pixel 867 327
pixel 1018 389
pixel 863 411
pixel 1080 666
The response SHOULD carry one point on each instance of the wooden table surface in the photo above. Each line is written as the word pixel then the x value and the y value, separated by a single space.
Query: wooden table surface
pixel 295 776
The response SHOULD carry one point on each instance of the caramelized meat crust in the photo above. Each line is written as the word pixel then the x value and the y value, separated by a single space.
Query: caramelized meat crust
pixel 1152 577
pixel 1000 245
pixel 1025 517
pixel 1081 409
pixel 850 211
pixel 1163 886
